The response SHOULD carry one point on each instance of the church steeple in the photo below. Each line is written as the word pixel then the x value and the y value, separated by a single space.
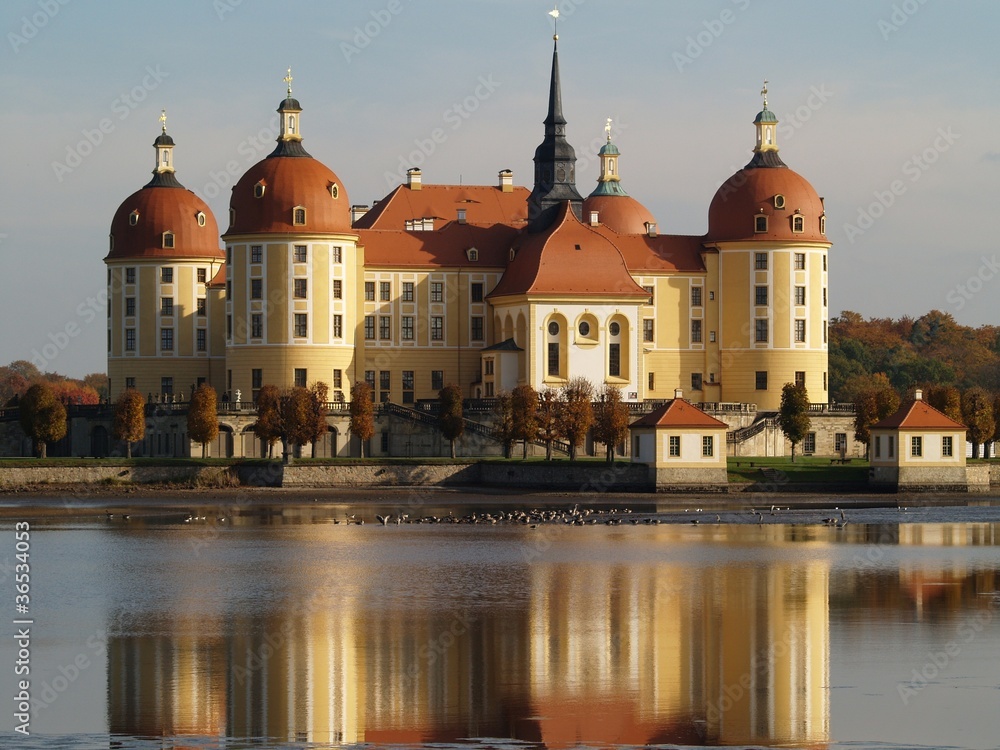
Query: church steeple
pixel 290 134
pixel 765 153
pixel 555 160
pixel 609 183
pixel 163 169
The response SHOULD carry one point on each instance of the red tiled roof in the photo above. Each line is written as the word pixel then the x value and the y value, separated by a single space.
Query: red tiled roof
pixel 483 204
pixel 918 415
pixel 568 258
pixel 678 413
pixel 444 247
pixel 164 209
pixel 664 253
pixel 219 279
pixel 622 213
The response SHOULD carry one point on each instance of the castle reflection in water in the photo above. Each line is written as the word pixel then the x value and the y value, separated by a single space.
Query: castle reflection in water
pixel 659 649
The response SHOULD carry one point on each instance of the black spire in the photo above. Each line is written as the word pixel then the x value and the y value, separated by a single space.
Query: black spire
pixel 555 162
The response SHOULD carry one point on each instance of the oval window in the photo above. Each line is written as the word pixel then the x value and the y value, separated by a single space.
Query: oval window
pixel 584 328
pixel 615 329
pixel 553 328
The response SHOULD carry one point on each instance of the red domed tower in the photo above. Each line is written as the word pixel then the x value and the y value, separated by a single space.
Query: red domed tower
pixel 615 208
pixel 291 270
pixel 164 249
pixel 767 244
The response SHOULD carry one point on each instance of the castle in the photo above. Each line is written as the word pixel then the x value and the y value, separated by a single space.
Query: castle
pixel 483 286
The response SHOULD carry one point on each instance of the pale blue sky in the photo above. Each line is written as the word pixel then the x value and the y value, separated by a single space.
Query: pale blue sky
pixel 859 94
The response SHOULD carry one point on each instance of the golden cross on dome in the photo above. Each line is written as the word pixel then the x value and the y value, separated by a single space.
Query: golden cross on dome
pixel 607 129
pixel 555 15
pixel 288 81
pixel 763 93
pixel 163 119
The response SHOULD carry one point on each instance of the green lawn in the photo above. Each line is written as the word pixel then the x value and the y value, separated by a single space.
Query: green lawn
pixel 805 469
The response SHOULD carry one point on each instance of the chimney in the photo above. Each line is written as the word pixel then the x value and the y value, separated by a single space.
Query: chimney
pixel 461 216
pixel 357 211
pixel 506 181
pixel 413 175
pixel 678 393
pixel 918 395
pixel 594 218
pixel 651 228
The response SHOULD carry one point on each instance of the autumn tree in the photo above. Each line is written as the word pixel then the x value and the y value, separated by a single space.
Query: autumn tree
pixel 610 419
pixel 129 423
pixel 503 422
pixel 871 404
pixel 450 416
pixel 362 413
pixel 99 382
pixel 203 417
pixel 947 399
pixel 793 414
pixel 547 418
pixel 43 417
pixel 577 413
pixel 524 413
pixel 996 423
pixel 318 395
pixel 297 417
pixel 269 428
pixel 977 414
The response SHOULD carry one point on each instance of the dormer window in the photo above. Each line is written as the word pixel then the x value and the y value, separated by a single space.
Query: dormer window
pixel 133 218
pixel 201 218
pixel 168 240
pixel 334 190
pixel 473 254
pixel 779 201
pixel 822 224
pixel 258 190
pixel 759 223
pixel 798 223
pixel 511 254
pixel 299 216
pixel 232 217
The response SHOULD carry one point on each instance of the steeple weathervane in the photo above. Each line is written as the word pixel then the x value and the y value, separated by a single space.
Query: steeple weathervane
pixel 288 82
pixel 763 93
pixel 163 120
pixel 555 23
pixel 607 129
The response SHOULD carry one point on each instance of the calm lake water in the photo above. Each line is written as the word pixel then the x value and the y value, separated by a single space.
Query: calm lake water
pixel 281 628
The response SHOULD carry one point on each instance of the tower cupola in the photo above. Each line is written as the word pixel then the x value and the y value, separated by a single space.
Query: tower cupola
pixel 765 153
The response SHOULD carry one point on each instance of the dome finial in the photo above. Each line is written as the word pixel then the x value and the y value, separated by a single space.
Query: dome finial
pixel 763 93
pixel 163 120
pixel 555 15
pixel 607 129
pixel 288 82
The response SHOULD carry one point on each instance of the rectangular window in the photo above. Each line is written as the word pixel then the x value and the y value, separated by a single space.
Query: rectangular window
pixel 130 382
pixel 202 342
pixel 166 339
pixel 384 327
pixel 256 253
pixel 824 381
pixel 130 339
pixel 696 381
pixel 695 331
pixel 615 360
pixel 229 254
pixel 711 336
pixel 760 261
pixel 202 275
pixel 477 328
pixel 167 386
pixel 800 295
pixel 674 446
pixel 800 261
pixel 256 288
pixel 760 295
pixel 338 326
pixel 256 325
pixel 369 291
pixel 840 442
pixel 384 291
pixel 200 304
pixel 760 330
pixel 338 378
pixel 553 369
pixel 490 389
pixel 476 292
pixel 300 288
pixel 338 254
pixel 299 255
pixel 760 380
pixel 385 439
pixel 384 380
pixel 229 326
pixel 129 306
pixel 649 290
pixel 129 275
pixel 707 446
pixel 229 290
pixel 301 325
pixel 800 377
pixel 407 386
pixel 809 443
pixel 916 446
pixel 800 331
pixel 824 296
pixel 824 258
pixel 650 382
pixel 257 378
pixel 407 291
pixel 370 380
pixel 878 446
pixel 338 289
pixel 369 327
pixel 947 449
pixel 647 329
pixel 407 328
pixel 696 296
pixel 437 328
pixel 760 224
pixel 167 275
pixel 892 446
pixel 437 380
pixel 166 306
pixel 488 366
pixel 437 291
pixel 300 377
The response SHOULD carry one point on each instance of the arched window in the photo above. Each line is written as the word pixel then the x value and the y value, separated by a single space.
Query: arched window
pixel 133 218
pixel 299 216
